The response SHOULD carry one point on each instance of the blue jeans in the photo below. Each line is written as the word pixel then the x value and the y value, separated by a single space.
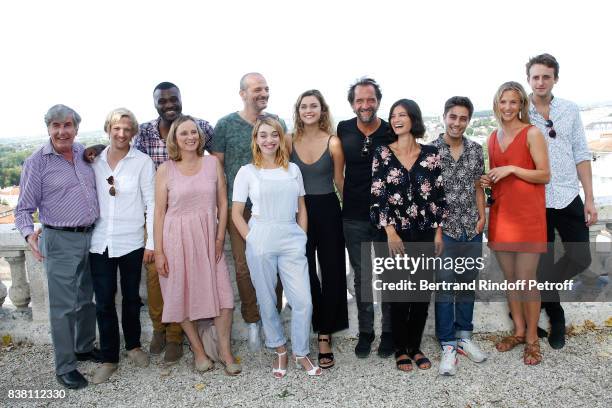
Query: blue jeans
pixel 455 309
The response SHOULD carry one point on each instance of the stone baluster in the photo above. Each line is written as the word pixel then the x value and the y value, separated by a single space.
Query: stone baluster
pixel 19 292
pixel 38 287
pixel 3 292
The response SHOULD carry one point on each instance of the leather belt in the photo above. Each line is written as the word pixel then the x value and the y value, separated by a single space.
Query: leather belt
pixel 86 228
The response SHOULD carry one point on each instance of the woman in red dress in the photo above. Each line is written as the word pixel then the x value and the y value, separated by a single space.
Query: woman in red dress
pixel 519 168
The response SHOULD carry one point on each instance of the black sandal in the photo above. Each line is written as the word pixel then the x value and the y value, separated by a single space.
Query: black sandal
pixel 326 356
pixel 403 361
pixel 421 361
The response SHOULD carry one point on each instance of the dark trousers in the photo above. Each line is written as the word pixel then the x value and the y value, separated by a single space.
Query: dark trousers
pixel 330 312
pixel 104 273
pixel 408 318
pixel 359 236
pixel 574 233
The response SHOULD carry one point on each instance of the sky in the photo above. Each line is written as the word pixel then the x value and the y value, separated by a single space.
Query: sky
pixel 95 56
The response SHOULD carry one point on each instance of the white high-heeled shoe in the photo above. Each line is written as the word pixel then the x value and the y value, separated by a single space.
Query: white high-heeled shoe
pixel 314 371
pixel 279 372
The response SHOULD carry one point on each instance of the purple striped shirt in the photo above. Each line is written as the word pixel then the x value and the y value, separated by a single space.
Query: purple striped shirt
pixel 64 193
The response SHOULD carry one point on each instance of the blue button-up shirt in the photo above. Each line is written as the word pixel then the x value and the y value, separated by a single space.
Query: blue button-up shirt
pixel 565 151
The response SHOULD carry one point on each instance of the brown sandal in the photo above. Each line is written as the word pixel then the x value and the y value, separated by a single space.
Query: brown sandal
pixel 532 353
pixel 509 342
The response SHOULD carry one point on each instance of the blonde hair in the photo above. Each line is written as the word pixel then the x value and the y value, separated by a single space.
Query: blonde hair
pixel 282 154
pixel 325 121
pixel 523 114
pixel 174 153
pixel 115 116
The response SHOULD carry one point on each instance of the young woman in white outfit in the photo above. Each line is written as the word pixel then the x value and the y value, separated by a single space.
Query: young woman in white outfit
pixel 275 242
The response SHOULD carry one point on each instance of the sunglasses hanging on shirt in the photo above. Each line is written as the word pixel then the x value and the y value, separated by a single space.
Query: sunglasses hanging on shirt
pixel 112 191
pixel 365 149
pixel 551 130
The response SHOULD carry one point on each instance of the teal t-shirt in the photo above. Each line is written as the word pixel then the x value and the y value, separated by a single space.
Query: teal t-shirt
pixel 233 139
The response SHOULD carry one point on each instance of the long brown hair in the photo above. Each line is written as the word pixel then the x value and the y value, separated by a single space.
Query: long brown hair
pixel 325 121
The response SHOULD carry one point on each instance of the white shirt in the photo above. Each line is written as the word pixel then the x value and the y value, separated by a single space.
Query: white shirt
pixel 120 227
pixel 565 150
pixel 246 183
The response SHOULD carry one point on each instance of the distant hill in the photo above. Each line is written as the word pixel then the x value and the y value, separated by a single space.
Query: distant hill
pixel 483 114
pixel 84 138
pixel 14 151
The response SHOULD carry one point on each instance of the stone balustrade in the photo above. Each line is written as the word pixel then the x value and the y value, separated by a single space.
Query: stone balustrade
pixel 28 282
pixel 28 289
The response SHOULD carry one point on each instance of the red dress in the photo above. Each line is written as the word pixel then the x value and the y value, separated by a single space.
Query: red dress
pixel 517 217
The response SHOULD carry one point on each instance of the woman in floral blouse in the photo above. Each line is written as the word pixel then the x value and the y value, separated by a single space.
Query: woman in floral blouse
pixel 408 204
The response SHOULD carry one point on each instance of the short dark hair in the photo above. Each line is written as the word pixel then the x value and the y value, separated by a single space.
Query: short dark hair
pixel 544 59
pixel 364 81
pixel 459 101
pixel 165 85
pixel 414 113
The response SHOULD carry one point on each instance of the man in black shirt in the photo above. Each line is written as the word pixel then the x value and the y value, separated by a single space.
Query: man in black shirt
pixel 360 136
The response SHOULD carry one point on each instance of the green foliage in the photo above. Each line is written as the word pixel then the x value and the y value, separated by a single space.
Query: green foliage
pixel 485 153
pixel 11 159
pixel 13 154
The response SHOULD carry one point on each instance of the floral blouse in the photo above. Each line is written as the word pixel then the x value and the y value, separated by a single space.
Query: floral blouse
pixel 407 199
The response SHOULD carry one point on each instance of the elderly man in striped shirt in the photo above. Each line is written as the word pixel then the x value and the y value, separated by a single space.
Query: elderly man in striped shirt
pixel 61 186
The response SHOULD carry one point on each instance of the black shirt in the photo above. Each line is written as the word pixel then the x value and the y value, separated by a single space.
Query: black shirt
pixel 358 172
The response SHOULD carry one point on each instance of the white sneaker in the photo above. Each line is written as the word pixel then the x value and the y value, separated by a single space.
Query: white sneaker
pixel 469 349
pixel 448 363
pixel 254 344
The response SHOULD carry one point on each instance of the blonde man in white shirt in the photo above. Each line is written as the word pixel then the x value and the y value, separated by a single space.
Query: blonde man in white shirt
pixel 126 190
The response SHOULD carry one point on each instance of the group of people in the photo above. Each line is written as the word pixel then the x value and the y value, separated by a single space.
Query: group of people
pixel 291 203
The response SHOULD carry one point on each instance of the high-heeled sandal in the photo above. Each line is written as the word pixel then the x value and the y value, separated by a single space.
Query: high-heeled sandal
pixel 279 372
pixel 326 356
pixel 313 372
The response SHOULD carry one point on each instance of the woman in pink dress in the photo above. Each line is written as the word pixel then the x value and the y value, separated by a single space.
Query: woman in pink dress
pixel 189 233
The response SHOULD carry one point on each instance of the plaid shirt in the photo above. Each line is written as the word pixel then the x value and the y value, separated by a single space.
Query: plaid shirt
pixel 149 141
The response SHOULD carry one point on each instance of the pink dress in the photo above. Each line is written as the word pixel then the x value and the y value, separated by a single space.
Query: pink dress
pixel 196 287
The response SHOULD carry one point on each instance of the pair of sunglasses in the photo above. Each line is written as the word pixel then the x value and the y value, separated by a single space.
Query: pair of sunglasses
pixel 551 130
pixel 365 149
pixel 112 191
